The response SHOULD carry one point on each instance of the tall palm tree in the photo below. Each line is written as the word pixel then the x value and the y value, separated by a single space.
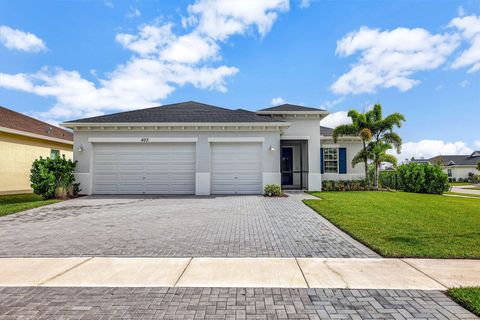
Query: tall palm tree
pixel 383 137
pixel 360 127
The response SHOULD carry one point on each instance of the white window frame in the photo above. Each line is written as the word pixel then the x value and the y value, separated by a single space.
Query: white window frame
pixel 330 161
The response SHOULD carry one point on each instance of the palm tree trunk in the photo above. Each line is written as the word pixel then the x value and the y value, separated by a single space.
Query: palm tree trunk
pixel 367 180
pixel 377 169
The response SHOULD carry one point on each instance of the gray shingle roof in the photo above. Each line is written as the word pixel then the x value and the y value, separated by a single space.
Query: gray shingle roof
pixel 189 111
pixel 459 160
pixel 290 107
pixel 326 131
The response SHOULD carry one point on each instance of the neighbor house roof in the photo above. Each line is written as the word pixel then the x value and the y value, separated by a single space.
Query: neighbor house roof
pixel 17 123
pixel 184 112
pixel 452 160
pixel 290 108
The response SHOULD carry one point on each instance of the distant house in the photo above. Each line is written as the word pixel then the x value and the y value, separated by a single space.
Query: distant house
pixel 456 166
pixel 22 140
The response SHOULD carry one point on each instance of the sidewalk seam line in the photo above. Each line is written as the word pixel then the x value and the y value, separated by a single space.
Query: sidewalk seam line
pixel 183 271
pixel 424 273
pixel 303 275
pixel 62 273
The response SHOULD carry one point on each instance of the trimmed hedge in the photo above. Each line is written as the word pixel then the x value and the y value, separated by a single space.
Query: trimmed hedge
pixel 344 185
pixel 416 177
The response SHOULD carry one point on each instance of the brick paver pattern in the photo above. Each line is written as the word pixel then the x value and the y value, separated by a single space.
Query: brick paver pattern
pixel 238 226
pixel 225 303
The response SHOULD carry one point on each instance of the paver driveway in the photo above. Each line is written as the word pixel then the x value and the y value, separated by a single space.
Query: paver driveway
pixel 225 303
pixel 240 226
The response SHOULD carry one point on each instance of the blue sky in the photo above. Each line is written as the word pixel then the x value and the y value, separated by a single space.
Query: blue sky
pixel 62 60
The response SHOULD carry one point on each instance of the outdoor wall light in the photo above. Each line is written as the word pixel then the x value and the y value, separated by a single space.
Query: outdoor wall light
pixel 80 148
pixel 271 148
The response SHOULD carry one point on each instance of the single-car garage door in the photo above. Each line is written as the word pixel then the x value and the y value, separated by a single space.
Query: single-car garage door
pixel 236 168
pixel 151 168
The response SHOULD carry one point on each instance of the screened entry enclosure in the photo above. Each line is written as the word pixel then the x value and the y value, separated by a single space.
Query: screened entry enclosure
pixel 294 164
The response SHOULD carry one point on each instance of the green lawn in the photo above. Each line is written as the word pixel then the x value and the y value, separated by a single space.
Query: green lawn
pixel 20 202
pixel 401 224
pixel 469 298
pixel 464 194
pixel 459 183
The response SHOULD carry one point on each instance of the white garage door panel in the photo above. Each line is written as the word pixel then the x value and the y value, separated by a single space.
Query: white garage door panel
pixel 153 168
pixel 236 168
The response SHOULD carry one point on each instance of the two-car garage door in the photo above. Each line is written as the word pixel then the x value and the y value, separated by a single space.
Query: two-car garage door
pixel 151 168
pixel 169 168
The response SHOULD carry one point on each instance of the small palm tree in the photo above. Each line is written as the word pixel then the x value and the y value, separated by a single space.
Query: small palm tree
pixel 360 127
pixel 378 155
pixel 384 138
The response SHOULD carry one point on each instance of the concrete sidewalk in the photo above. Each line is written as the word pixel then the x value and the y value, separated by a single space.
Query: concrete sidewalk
pixel 422 274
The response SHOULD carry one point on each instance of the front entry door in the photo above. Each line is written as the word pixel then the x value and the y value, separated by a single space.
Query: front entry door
pixel 287 166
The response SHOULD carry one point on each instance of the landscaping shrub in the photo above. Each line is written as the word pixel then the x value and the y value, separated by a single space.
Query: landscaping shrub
pixel 53 177
pixel 344 185
pixel 388 179
pixel 422 178
pixel 473 178
pixel 273 190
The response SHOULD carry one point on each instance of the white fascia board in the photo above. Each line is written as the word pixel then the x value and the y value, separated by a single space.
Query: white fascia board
pixel 236 139
pixel 344 138
pixel 34 135
pixel 175 124
pixel 142 140
pixel 294 137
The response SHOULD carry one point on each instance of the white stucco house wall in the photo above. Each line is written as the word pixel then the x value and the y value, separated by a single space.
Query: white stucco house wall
pixel 456 166
pixel 195 148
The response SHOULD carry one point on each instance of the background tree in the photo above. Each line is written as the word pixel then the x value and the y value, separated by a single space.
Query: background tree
pixel 360 127
pixel 478 165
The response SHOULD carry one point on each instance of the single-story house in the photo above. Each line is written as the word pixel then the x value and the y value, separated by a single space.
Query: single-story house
pixel 456 166
pixel 22 140
pixel 195 148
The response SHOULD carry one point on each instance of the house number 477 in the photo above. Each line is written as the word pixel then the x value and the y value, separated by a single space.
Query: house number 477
pixel 144 140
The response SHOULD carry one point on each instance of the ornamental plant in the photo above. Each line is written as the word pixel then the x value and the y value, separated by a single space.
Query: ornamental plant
pixel 273 190
pixel 52 178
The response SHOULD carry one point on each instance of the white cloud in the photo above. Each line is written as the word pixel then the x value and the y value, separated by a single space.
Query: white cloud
pixel 389 58
pixel 19 40
pixel 150 39
pixel 477 143
pixel 304 4
pixel 277 101
pixel 335 119
pixel 133 13
pixel 161 62
pixel 461 11
pixel 464 83
pixel 331 103
pixel 219 19
pixel 469 28
pixel 431 148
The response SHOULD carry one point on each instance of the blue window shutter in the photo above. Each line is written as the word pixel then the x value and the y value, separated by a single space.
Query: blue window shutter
pixel 321 161
pixel 342 163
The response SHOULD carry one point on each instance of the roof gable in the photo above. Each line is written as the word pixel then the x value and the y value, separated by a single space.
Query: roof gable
pixel 184 112
pixel 291 108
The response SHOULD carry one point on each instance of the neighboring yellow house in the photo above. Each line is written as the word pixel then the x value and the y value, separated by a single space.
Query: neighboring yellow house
pixel 22 140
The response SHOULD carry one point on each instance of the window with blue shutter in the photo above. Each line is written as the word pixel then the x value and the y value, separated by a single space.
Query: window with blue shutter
pixel 321 161
pixel 342 160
